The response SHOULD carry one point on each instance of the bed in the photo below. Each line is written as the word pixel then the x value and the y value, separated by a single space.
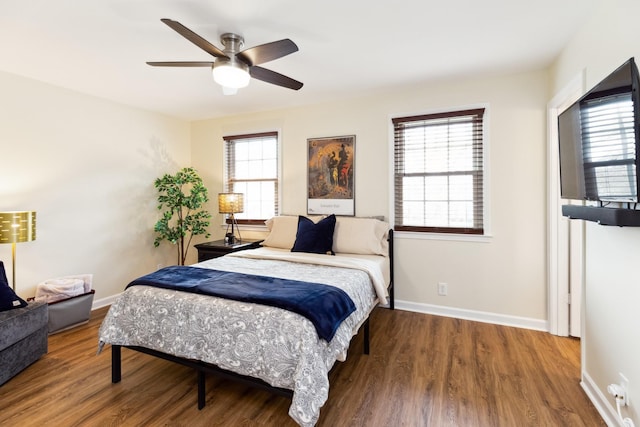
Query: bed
pixel 264 345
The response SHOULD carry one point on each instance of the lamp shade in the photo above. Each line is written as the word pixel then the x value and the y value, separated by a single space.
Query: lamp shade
pixel 230 203
pixel 17 226
pixel 231 75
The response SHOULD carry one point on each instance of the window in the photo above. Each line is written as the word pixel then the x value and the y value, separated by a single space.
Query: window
pixel 438 172
pixel 251 168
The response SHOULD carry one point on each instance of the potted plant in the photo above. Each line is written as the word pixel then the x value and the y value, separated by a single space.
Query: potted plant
pixel 181 196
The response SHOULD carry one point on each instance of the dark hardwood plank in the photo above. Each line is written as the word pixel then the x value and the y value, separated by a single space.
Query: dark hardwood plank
pixel 422 371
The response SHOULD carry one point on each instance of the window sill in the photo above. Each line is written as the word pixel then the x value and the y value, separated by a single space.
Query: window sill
pixel 247 227
pixel 476 238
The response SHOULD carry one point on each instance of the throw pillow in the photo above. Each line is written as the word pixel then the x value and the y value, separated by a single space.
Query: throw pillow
pixel 316 238
pixel 8 298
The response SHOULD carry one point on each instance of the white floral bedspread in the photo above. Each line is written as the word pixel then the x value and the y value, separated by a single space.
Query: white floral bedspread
pixel 275 345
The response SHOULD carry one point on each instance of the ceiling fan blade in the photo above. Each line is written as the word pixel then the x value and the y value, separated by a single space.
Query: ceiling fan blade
pixel 194 38
pixel 180 64
pixel 274 78
pixel 268 52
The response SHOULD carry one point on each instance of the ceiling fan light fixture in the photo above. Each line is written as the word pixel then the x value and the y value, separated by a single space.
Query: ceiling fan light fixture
pixel 230 74
pixel 233 67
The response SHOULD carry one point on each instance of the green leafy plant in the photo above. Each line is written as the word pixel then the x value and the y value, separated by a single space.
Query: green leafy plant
pixel 181 196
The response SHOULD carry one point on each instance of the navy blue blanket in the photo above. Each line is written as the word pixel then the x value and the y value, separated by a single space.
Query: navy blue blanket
pixel 325 306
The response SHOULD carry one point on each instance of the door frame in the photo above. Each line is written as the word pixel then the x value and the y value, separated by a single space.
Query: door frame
pixel 565 248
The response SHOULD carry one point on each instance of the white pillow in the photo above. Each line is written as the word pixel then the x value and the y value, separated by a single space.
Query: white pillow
pixel 355 235
pixel 282 232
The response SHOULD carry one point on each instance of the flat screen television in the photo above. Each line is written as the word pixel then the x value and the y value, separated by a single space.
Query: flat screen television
pixel 599 137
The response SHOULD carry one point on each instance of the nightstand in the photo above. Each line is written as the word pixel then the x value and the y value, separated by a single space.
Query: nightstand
pixel 218 248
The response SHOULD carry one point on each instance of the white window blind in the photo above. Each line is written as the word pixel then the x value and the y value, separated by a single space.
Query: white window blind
pixel 438 172
pixel 252 168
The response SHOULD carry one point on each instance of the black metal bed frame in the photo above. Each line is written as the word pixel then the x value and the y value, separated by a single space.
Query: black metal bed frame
pixel 203 368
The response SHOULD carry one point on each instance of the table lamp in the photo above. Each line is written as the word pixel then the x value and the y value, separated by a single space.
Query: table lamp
pixel 231 203
pixel 17 227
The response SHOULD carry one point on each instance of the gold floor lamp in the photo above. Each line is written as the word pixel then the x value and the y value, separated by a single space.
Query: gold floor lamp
pixel 17 227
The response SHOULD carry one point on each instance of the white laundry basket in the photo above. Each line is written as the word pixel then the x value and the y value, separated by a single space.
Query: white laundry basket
pixel 71 312
pixel 70 300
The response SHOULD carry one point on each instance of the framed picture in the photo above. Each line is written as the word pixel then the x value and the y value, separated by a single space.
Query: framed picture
pixel 330 175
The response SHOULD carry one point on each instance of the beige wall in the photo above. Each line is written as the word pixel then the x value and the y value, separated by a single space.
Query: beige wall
pixel 503 278
pixel 86 166
pixel 611 337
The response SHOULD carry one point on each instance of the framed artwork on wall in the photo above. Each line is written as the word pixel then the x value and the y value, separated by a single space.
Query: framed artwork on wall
pixel 330 175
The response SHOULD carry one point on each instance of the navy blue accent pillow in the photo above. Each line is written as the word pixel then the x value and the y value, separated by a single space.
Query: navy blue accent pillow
pixel 315 238
pixel 8 298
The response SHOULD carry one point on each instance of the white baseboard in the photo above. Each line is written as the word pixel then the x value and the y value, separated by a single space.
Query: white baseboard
pixel 103 302
pixel 603 406
pixel 478 316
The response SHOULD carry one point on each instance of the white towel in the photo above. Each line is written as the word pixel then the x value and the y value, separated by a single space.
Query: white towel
pixel 52 290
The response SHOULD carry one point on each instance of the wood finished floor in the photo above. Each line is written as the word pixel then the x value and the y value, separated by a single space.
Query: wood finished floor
pixel 422 371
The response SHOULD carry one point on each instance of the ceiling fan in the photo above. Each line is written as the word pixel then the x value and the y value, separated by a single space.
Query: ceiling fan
pixel 233 68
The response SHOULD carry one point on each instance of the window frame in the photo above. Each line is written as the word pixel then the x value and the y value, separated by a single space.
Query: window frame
pixel 440 232
pixel 228 182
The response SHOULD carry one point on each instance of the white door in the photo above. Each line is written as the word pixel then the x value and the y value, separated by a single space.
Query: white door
pixel 565 237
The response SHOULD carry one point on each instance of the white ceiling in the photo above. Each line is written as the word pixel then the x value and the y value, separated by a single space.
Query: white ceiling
pixel 347 47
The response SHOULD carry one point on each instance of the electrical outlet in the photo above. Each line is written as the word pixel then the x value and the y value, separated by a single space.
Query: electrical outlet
pixel 442 289
pixel 159 266
pixel 624 383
